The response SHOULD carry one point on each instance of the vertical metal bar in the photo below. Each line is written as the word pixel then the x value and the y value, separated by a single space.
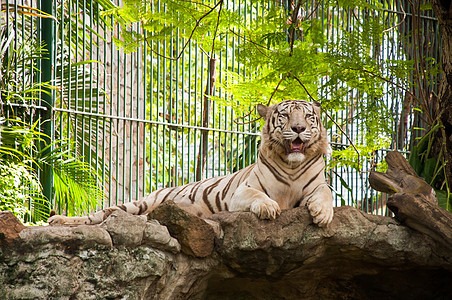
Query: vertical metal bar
pixel 143 78
pixel 189 116
pixel 157 117
pixel 184 109
pixel 176 92
pixel 83 58
pixel 170 116
pixel 161 111
pixel 137 124
pixel 61 116
pixel 124 124
pixel 151 115
pixel 195 115
pixel 47 66
pixel 111 124
pixel 91 135
pixel 131 125
pixel 118 109
pixel 105 127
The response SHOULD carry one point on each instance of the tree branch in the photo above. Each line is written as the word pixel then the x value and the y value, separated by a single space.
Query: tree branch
pixel 189 38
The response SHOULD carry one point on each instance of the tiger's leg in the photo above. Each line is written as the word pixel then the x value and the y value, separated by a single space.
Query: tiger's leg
pixel 136 208
pixel 320 205
pixel 249 199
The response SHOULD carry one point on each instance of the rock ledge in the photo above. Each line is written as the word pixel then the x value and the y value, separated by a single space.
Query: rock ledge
pixel 359 256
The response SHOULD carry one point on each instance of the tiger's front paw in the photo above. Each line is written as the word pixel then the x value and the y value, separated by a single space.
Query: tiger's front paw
pixel 321 210
pixel 265 208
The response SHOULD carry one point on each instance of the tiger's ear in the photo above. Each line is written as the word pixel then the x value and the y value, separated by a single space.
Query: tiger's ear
pixel 317 107
pixel 262 110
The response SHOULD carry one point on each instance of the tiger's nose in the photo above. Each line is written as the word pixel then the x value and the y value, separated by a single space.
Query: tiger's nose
pixel 299 129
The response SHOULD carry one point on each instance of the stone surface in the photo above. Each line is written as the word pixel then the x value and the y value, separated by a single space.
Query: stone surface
pixel 359 256
pixel 156 235
pixel 83 236
pixel 125 229
pixel 195 235
pixel 10 227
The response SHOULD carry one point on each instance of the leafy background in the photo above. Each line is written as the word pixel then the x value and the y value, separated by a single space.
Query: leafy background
pixel 360 60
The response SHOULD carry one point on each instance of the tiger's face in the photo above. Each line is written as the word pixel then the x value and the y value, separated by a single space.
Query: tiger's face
pixel 293 129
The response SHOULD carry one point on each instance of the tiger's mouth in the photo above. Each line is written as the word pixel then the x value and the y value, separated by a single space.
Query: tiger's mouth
pixel 295 146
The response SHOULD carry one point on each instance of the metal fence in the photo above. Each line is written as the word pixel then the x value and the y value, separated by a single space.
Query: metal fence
pixel 144 122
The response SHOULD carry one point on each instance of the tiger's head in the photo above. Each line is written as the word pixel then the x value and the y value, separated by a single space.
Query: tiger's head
pixel 293 130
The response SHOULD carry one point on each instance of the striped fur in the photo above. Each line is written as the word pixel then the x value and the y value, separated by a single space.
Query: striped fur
pixel 289 173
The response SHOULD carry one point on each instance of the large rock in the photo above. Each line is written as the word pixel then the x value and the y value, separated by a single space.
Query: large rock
pixel 359 256
pixel 195 235
pixel 10 227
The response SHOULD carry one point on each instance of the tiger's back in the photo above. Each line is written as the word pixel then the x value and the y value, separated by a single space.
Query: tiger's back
pixel 202 198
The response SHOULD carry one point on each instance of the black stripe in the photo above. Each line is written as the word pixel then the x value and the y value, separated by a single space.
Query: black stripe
pixel 312 179
pixel 143 207
pixel 207 191
pixel 298 202
pixel 273 170
pixel 167 195
pixel 181 190
pixel 193 191
pixel 282 169
pixel 123 207
pixel 249 169
pixel 245 172
pixel 262 186
pixel 209 206
pixel 226 206
pixel 228 185
pixel 312 192
pixel 306 197
pixel 281 158
pixel 218 201
pixel 306 166
pixel 158 192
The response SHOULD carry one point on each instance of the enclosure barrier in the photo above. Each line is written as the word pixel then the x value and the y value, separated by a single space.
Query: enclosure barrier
pixel 144 122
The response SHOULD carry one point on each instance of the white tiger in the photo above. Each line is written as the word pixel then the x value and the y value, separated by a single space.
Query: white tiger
pixel 289 172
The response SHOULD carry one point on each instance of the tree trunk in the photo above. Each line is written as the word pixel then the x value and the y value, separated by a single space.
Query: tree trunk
pixel 412 200
pixel 443 11
pixel 202 153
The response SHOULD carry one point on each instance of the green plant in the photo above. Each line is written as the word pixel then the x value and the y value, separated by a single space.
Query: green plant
pixel 20 189
pixel 430 168
pixel 23 152
pixel 286 53
pixel 77 185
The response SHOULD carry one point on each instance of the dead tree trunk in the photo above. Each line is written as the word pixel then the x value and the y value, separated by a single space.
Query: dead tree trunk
pixel 443 141
pixel 202 154
pixel 412 200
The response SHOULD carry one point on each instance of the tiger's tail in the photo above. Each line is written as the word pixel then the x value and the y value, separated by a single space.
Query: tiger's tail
pixel 141 207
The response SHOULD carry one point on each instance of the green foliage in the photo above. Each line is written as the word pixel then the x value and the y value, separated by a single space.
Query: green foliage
pixel 287 60
pixel 22 146
pixel 20 190
pixel 14 182
pixel 77 185
pixel 75 182
pixel 432 169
